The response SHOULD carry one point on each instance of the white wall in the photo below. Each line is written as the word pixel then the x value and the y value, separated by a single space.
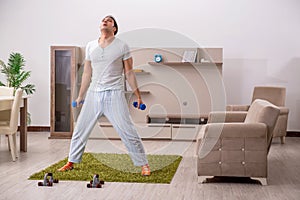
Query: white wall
pixel 260 39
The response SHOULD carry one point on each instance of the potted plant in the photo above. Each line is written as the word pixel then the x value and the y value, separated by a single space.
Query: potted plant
pixel 15 74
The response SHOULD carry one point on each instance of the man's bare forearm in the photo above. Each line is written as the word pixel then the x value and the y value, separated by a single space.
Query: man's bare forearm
pixel 130 76
pixel 86 79
pixel 85 82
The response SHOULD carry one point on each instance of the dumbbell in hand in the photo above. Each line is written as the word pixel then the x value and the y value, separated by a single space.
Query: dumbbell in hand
pixel 74 103
pixel 142 106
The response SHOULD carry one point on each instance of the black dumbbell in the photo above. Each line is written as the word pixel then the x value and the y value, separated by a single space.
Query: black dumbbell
pixel 95 183
pixel 48 182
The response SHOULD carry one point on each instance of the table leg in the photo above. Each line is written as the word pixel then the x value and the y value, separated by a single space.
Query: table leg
pixel 23 127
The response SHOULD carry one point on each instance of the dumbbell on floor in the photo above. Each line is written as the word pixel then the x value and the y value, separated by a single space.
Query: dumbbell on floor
pixel 48 182
pixel 95 183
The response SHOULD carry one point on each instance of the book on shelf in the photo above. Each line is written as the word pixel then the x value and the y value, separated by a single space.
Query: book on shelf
pixel 203 60
pixel 189 56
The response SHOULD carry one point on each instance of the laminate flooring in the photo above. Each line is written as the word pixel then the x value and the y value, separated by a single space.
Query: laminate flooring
pixel 283 168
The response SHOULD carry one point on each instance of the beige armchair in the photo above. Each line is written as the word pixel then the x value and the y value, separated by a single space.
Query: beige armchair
pixel 237 149
pixel 11 128
pixel 275 95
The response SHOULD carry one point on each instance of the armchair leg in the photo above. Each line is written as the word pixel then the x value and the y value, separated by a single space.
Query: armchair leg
pixel 282 139
pixel 263 181
pixel 202 179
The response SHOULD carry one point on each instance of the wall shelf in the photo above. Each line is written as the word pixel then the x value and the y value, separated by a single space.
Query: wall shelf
pixel 142 73
pixel 174 64
pixel 141 91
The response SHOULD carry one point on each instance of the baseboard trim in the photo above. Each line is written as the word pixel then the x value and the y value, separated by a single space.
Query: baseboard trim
pixel 293 134
pixel 47 129
pixel 37 128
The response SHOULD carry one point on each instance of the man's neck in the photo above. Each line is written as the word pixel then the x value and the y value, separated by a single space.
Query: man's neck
pixel 105 39
pixel 106 36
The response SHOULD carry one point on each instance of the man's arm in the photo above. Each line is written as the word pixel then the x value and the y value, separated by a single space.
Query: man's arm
pixel 130 76
pixel 85 82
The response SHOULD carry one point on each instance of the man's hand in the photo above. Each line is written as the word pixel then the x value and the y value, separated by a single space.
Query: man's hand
pixel 79 101
pixel 139 101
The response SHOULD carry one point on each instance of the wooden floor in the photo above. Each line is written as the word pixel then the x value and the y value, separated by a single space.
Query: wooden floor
pixel 284 174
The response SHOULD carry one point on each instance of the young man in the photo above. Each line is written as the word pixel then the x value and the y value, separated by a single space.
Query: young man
pixel 106 60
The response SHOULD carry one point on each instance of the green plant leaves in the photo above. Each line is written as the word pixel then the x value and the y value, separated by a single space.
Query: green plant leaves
pixel 15 74
pixel 29 88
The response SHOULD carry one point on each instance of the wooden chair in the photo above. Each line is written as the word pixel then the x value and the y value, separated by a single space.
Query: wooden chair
pixel 5 115
pixel 11 128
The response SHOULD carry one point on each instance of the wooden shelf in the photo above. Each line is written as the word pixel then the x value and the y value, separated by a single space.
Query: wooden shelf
pixel 141 73
pixel 142 92
pixel 171 63
pixel 174 64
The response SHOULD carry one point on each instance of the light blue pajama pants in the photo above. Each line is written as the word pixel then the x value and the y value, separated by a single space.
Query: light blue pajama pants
pixel 113 105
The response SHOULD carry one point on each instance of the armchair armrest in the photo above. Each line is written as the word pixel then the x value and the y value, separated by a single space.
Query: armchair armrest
pixel 284 111
pixel 228 116
pixel 237 107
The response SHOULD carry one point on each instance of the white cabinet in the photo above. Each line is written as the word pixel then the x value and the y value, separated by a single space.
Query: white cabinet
pixel 185 131
pixel 104 131
pixel 154 131
pixel 145 131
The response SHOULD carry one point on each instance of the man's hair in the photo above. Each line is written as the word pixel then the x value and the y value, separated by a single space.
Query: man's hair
pixel 115 23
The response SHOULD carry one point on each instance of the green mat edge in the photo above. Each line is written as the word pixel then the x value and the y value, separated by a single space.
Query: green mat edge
pixel 161 176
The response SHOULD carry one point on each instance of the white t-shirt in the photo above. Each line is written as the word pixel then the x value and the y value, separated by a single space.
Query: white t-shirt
pixel 107 64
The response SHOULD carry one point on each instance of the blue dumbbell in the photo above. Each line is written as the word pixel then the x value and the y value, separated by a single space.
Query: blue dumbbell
pixel 74 103
pixel 142 106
